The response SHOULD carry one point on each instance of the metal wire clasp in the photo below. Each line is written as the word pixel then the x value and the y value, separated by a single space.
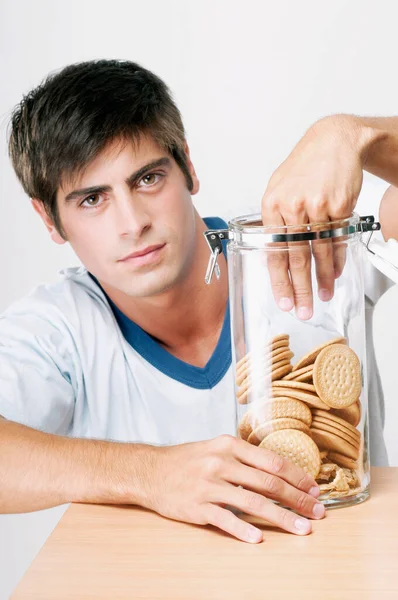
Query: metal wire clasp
pixel 214 238
pixel 368 224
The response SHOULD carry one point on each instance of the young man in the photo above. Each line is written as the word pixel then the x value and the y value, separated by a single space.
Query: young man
pixel 133 348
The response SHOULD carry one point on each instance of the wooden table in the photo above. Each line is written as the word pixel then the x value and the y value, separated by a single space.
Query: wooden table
pixel 99 552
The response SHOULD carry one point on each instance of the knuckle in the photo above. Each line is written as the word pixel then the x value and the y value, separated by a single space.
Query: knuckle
pixel 225 443
pixel 276 462
pixel 214 466
pixel 277 259
pixel 272 485
pixel 253 502
pixel 302 293
pixel 305 482
pixel 302 502
pixel 299 260
pixel 285 519
pixel 297 204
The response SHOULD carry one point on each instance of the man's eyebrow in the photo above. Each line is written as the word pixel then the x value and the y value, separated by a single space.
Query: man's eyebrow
pixel 131 180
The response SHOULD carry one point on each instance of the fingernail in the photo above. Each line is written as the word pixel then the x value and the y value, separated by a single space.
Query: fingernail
pixel 302 525
pixel 325 295
pixel 318 511
pixel 285 304
pixel 314 491
pixel 254 535
pixel 304 313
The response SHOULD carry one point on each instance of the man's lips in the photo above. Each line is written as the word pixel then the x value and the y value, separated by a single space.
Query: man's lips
pixel 141 255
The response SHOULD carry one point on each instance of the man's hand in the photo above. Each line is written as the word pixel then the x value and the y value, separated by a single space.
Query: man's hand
pixel 196 482
pixel 320 181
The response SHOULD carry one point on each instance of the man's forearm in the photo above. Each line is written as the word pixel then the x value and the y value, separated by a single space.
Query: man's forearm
pixel 375 139
pixel 40 470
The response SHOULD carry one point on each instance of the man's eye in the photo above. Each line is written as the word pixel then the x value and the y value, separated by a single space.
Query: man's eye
pixel 92 200
pixel 150 179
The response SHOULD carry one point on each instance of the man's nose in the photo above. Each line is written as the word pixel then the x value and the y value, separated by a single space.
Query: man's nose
pixel 132 217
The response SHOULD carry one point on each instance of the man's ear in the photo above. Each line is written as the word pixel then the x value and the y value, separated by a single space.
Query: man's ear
pixel 54 234
pixel 196 184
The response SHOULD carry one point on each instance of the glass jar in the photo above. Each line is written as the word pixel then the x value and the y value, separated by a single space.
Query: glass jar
pixel 301 386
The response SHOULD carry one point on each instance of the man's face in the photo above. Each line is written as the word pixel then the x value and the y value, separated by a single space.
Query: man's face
pixel 130 219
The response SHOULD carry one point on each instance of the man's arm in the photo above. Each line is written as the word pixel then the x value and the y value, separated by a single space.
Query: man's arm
pixel 39 470
pixel 320 181
pixel 190 482
pixel 380 151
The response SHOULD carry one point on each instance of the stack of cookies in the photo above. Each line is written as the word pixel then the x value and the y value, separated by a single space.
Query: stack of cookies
pixel 311 412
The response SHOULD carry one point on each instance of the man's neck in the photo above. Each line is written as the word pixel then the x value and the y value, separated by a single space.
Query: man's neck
pixel 186 320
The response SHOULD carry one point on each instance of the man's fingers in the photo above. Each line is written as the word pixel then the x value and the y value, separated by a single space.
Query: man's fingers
pixel 300 274
pixel 339 257
pixel 322 251
pixel 275 488
pixel 224 519
pixel 270 462
pixel 278 269
pixel 256 505
pixel 278 263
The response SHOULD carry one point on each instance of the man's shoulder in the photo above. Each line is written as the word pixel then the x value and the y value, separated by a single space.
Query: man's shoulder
pixel 65 301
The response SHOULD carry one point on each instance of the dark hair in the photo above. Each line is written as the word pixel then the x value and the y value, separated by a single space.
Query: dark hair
pixel 61 125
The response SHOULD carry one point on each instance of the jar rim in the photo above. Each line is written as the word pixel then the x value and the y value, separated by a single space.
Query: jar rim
pixel 252 223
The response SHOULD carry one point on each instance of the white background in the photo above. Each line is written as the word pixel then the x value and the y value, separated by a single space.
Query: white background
pixel 249 78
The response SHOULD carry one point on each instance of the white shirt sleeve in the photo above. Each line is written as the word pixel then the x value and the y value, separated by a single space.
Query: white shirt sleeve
pixel 37 382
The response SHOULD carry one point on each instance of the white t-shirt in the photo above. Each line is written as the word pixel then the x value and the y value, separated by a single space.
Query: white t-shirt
pixel 71 363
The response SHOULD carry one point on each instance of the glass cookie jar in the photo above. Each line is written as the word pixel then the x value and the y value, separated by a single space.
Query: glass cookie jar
pixel 301 385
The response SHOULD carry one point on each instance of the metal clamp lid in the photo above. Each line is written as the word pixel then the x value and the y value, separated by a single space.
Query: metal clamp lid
pixel 215 237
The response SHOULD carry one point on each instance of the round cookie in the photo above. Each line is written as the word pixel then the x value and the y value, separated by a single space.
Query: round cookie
pixel 309 358
pixel 245 427
pixel 286 355
pixel 305 378
pixel 351 414
pixel 353 433
pixel 278 408
pixel 280 342
pixel 310 399
pixel 278 338
pixel 337 420
pixel 340 432
pixel 329 441
pixel 294 374
pixel 296 385
pixel 296 446
pixel 343 461
pixel 261 432
pixel 337 376
pixel 277 365
pixel 281 372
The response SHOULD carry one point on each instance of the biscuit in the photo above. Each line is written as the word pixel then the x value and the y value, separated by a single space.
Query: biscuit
pixel 245 427
pixel 280 341
pixel 304 378
pixel 310 399
pixel 261 432
pixel 329 441
pixel 296 446
pixel 351 414
pixel 304 371
pixel 295 385
pixel 340 432
pixel 343 461
pixel 281 372
pixel 338 421
pixel 278 408
pixel 309 358
pixel 337 376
